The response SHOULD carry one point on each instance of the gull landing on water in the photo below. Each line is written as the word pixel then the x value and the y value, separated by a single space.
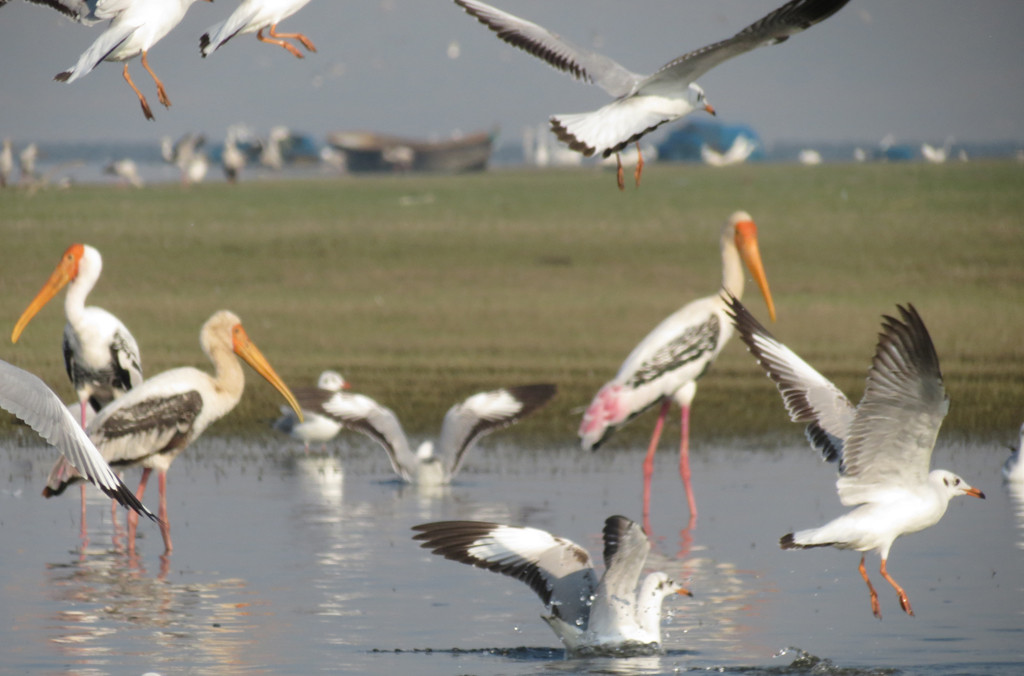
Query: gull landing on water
pixel 591 616
pixel 642 103
pixel 883 446
pixel 464 424
pixel 135 26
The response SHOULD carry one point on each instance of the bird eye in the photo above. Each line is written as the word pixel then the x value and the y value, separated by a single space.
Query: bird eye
pixel 956 482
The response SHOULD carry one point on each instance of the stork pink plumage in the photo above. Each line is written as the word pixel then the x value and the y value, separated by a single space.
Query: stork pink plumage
pixel 665 366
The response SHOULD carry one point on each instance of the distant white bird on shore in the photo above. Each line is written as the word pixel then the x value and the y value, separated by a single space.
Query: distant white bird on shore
pixel 127 170
pixel 135 26
pixel 883 446
pixel 642 102
pixel 937 155
pixel 232 158
pixel 605 617
pixel 255 16
pixel 6 163
pixel 464 424
pixel 314 426
pixel 1013 470
pixel 809 157
pixel 741 149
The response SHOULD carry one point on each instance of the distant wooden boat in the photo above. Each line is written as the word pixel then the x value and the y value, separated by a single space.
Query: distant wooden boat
pixel 372 152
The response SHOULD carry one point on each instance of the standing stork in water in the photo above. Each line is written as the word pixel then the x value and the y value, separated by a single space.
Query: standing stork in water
pixel 665 366
pixel 100 354
pixel 152 424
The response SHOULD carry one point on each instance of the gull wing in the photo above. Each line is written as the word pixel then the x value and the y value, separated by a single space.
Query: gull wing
pixel 87 12
pixel 483 413
pixel 809 396
pixel 361 414
pixel 557 569
pixel 28 397
pixel 582 64
pixel 893 433
pixel 625 552
pixel 775 27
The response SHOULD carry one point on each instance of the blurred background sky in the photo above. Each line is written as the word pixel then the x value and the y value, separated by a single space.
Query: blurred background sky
pixel 916 69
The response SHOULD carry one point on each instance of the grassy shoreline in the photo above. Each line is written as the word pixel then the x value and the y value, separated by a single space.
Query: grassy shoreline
pixel 423 289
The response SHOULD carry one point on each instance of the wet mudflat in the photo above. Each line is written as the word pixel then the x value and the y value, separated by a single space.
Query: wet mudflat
pixel 291 564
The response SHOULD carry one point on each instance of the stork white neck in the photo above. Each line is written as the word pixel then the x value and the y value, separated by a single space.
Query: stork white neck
pixel 89 269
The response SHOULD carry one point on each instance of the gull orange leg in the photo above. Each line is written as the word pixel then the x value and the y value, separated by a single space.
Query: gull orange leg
pixel 160 92
pixel 649 459
pixel 618 172
pixel 874 595
pixel 904 601
pixel 684 462
pixel 639 165
pixel 142 100
pixel 306 42
pixel 280 43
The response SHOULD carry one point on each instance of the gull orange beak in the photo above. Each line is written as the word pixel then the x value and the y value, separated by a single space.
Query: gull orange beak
pixel 685 592
pixel 974 493
pixel 746 242
pixel 252 356
pixel 711 109
pixel 66 270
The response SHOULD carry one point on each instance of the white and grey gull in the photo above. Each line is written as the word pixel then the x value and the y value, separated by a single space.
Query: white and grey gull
pixel 464 424
pixel 606 616
pixel 883 445
pixel 642 102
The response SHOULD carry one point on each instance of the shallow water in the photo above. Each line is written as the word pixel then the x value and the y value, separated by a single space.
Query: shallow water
pixel 292 564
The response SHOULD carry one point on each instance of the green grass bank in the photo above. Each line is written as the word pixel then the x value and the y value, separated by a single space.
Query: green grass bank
pixel 423 289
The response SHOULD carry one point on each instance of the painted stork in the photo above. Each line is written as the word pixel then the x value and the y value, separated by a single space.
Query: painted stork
pixel 464 424
pixel 642 102
pixel 135 26
pixel 149 426
pixel 315 426
pixel 28 397
pixel 883 446
pixel 591 616
pixel 256 16
pixel 665 366
pixel 100 354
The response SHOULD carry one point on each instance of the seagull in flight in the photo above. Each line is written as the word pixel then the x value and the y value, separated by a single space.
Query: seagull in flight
pixel 135 26
pixel 592 616
pixel 642 102
pixel 883 445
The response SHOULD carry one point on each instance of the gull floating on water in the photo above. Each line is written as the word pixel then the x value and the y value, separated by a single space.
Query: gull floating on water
pixel 464 424
pixel 314 426
pixel 135 26
pixel 665 365
pixel 883 446
pixel 255 16
pixel 28 397
pixel 591 616
pixel 642 102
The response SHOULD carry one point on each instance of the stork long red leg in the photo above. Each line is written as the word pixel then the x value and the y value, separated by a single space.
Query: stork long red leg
pixel 684 460
pixel 651 449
